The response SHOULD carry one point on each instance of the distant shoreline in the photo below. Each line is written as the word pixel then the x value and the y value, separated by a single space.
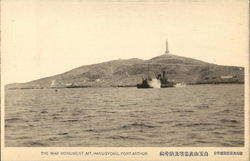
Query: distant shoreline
pixel 125 86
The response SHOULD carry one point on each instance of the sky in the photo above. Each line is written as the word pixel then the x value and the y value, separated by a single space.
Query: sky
pixel 42 38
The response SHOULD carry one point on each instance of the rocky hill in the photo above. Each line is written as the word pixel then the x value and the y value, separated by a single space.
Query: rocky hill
pixel 129 72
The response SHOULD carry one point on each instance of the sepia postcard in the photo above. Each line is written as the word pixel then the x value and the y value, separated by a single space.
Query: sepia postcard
pixel 115 80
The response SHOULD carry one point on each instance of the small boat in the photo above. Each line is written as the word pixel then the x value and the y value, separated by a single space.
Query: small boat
pixel 145 84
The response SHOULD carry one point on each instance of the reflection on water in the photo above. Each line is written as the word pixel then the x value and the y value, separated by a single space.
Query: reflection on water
pixel 202 115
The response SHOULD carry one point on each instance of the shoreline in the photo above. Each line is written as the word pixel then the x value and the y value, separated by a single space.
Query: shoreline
pixel 125 86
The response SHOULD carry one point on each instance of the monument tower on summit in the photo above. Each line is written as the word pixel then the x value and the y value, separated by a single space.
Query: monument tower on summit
pixel 167 51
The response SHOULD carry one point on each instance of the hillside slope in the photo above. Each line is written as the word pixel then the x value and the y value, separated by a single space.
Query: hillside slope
pixel 129 72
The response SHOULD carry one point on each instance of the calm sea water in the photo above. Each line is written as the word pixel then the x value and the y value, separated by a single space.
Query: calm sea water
pixel 201 115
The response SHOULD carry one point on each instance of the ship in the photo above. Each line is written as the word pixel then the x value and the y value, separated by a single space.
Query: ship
pixel 165 83
pixel 161 78
pixel 145 83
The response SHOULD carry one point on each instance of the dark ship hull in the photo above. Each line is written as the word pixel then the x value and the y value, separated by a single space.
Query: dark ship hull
pixel 143 85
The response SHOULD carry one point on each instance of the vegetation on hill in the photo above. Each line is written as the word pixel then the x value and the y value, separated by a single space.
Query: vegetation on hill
pixel 129 72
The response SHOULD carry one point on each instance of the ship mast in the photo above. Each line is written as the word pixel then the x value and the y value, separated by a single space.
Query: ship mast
pixel 148 71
